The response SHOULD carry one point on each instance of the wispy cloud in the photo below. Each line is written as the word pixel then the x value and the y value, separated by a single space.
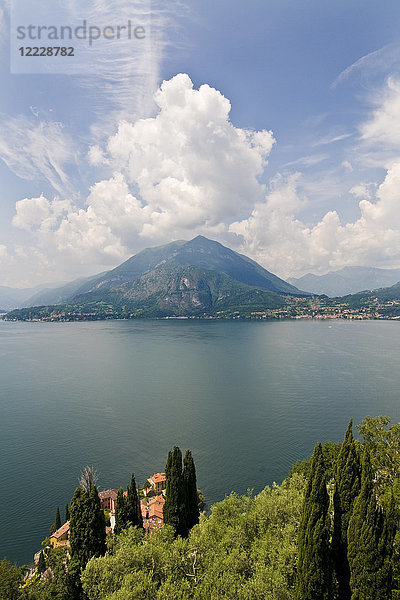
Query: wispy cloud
pixel 308 161
pixel 37 150
pixel 125 75
pixel 331 140
pixel 382 61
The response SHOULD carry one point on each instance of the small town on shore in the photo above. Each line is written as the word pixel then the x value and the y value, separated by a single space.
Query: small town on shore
pixel 315 307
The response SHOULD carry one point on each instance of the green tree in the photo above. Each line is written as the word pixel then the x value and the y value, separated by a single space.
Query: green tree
pixel 10 578
pixel 121 520
pixel 175 507
pixel 314 572
pixel 41 566
pixel 87 534
pixel 99 525
pixel 201 500
pixel 370 542
pixel 347 488
pixel 190 488
pixel 383 444
pixel 133 511
pixel 246 550
pixel 57 522
pixel 66 512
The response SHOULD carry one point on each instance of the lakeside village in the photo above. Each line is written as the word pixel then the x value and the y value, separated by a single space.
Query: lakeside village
pixel 152 500
pixel 316 307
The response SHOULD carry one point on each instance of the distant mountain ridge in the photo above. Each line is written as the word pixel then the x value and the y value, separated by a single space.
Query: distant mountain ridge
pixel 49 293
pixel 17 297
pixel 191 278
pixel 198 252
pixel 60 294
pixel 349 280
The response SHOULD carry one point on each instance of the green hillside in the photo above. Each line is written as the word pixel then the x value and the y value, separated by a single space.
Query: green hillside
pixel 163 292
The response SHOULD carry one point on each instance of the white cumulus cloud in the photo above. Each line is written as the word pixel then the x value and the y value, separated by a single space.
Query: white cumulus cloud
pixel 191 166
pixel 384 125
pixel 274 236
pixel 187 170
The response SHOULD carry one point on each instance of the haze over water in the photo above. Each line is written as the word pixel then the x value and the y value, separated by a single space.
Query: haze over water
pixel 248 398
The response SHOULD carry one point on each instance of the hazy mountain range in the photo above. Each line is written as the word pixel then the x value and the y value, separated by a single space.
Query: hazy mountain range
pixel 348 280
pixel 49 293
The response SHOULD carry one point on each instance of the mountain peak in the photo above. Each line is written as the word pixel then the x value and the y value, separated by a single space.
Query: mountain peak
pixel 201 240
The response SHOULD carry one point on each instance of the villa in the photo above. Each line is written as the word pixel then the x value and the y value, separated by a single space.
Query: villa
pixel 61 536
pixel 157 484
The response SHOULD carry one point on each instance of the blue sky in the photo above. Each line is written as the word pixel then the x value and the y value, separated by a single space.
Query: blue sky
pixel 276 132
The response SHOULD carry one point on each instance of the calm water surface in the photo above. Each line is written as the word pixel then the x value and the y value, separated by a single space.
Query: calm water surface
pixel 249 399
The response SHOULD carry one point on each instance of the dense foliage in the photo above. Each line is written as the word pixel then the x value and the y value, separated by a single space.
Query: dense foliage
pixel 10 579
pixel 328 532
pixel 246 549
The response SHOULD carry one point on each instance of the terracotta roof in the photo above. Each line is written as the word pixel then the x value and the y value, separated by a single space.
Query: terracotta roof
pixel 155 510
pixel 157 477
pixel 159 499
pixel 112 493
pixel 63 529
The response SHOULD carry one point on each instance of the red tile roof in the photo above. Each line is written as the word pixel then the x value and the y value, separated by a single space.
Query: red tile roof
pixel 159 499
pixel 112 493
pixel 155 510
pixel 63 529
pixel 157 477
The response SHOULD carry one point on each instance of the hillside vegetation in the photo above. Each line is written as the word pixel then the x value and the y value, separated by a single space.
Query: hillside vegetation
pixel 329 531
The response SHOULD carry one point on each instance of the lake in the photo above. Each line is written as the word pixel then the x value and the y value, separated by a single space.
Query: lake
pixel 248 398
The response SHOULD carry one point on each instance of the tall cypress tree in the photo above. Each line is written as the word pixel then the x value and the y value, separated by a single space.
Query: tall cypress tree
pixel 190 485
pixel 121 521
pixel 66 512
pixel 98 524
pixel 347 488
pixel 41 566
pixel 370 542
pixel 57 521
pixel 87 535
pixel 314 573
pixel 133 511
pixel 174 508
